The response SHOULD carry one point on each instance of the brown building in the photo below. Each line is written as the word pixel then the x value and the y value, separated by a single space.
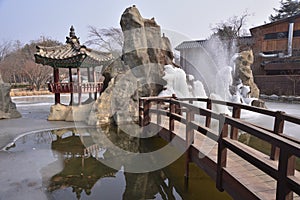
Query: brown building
pixel 276 50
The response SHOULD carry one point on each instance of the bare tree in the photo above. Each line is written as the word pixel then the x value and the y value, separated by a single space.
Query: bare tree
pixel 232 27
pixel 225 37
pixel 19 65
pixel 8 61
pixel 36 74
pixel 5 49
pixel 106 39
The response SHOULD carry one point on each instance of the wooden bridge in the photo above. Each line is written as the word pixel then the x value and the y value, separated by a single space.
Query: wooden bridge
pixel 212 143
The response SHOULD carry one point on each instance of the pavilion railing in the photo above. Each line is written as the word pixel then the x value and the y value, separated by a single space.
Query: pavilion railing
pixel 89 87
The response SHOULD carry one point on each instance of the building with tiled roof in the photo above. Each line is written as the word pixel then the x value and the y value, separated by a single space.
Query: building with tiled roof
pixel 72 55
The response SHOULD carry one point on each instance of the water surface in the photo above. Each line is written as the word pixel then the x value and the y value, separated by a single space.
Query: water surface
pixel 68 164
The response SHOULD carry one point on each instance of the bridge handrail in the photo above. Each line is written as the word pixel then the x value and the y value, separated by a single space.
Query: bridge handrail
pixel 284 174
pixel 279 117
pixel 284 149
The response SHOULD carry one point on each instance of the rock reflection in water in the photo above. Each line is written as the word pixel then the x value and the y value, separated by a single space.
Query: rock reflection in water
pixel 83 167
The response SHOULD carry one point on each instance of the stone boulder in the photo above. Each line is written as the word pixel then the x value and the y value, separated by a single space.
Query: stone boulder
pixel 61 112
pixel 243 72
pixel 79 113
pixel 258 103
pixel 58 112
pixel 145 50
pixel 8 109
pixel 117 103
pixel 138 73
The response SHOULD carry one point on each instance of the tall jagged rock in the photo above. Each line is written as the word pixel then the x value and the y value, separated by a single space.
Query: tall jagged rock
pixel 145 53
pixel 7 107
pixel 243 71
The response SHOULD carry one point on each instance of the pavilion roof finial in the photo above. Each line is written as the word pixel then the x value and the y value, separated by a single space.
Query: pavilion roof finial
pixel 73 39
pixel 72 32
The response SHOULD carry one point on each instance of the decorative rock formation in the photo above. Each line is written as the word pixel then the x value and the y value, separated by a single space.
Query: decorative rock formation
pixel 145 53
pixel 244 73
pixel 61 112
pixel 7 107
pixel 58 112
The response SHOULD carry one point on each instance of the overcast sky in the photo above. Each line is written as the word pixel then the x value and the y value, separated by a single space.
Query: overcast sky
pixel 27 20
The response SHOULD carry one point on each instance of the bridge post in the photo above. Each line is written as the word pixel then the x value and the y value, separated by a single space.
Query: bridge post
pixel 222 152
pixel 146 116
pixel 286 167
pixel 172 111
pixel 278 129
pixel 144 106
pixel 189 134
pixel 236 113
pixel 158 107
pixel 141 110
pixel 208 118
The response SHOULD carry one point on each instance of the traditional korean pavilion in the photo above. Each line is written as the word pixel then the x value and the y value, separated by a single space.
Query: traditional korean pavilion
pixel 73 56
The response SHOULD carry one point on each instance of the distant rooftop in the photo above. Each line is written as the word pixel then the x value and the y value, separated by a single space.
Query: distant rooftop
pixel 201 43
pixel 191 44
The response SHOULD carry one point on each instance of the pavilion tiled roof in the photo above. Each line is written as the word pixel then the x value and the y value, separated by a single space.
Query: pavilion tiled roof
pixel 72 54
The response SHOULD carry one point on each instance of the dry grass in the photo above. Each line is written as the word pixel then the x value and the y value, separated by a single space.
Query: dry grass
pixel 28 93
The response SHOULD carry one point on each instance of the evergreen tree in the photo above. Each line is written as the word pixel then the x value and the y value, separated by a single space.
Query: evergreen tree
pixel 287 8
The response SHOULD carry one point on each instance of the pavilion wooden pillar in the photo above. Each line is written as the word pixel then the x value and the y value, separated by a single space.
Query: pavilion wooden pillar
pixel 56 85
pixel 79 86
pixel 89 80
pixel 94 80
pixel 71 87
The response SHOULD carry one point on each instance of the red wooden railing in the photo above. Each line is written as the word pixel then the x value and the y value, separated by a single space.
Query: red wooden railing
pixel 90 87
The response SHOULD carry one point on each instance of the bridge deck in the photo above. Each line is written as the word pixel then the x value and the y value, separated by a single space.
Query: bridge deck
pixel 257 182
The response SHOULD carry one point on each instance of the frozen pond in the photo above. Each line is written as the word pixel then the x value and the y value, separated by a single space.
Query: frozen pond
pixel 68 164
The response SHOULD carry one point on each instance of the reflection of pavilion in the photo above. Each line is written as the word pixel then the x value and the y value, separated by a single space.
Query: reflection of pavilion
pixel 72 55
pixel 80 177
pixel 81 170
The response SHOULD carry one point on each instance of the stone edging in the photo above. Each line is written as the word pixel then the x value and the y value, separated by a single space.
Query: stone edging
pixel 276 98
